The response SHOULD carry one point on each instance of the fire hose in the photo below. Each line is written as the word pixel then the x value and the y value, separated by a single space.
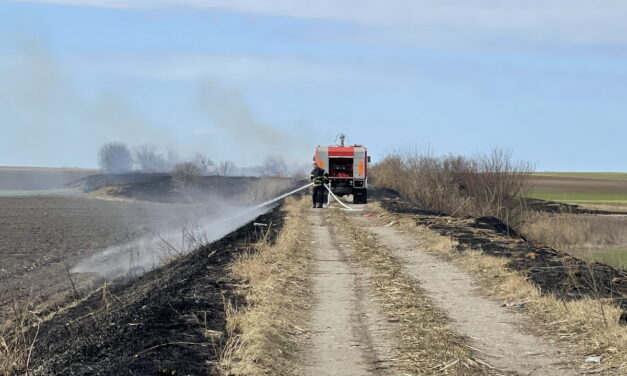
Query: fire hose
pixel 346 207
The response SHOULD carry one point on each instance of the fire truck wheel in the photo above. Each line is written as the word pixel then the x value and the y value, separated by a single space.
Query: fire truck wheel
pixel 360 196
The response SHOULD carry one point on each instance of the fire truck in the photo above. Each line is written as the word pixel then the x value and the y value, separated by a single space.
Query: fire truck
pixel 347 167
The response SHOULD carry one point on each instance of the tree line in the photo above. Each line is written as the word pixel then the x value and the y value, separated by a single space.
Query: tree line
pixel 117 158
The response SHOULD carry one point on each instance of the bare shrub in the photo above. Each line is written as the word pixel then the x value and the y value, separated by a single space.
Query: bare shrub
pixel 487 185
pixel 115 157
pixel 185 174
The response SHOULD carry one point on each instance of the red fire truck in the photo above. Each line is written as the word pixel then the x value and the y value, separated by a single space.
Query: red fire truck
pixel 347 167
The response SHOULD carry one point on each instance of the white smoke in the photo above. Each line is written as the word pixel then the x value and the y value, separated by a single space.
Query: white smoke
pixel 152 250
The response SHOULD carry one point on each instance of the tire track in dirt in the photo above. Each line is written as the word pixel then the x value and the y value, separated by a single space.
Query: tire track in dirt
pixel 348 334
pixel 494 331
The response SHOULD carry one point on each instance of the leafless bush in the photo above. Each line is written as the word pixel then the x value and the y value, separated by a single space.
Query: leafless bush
pixel 487 185
pixel 115 157
pixel 185 174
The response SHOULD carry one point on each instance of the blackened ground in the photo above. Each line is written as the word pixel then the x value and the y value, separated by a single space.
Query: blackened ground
pixel 159 186
pixel 169 321
pixel 552 271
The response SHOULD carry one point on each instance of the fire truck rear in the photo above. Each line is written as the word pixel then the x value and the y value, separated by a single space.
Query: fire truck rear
pixel 347 167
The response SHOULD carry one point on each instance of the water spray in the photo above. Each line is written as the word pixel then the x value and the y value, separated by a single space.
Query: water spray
pixel 280 197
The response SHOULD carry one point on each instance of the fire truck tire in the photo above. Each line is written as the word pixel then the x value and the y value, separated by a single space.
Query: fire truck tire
pixel 360 196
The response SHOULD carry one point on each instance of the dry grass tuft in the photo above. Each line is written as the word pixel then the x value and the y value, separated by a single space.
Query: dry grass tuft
pixel 17 340
pixel 423 340
pixel 581 235
pixel 589 326
pixel 263 333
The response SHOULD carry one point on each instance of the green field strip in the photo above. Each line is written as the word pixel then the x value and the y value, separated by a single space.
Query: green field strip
pixel 45 192
pixel 614 257
pixel 580 197
pixel 587 175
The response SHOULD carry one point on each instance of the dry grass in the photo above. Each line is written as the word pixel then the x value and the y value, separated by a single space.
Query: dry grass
pixel 422 338
pixel 263 333
pixel 487 185
pixel 581 235
pixel 17 340
pixel 589 326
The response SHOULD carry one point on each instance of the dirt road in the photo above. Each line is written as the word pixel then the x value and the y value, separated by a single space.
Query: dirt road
pixel 349 335
pixel 352 337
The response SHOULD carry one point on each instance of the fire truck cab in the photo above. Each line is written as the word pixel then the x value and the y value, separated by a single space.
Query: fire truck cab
pixel 347 167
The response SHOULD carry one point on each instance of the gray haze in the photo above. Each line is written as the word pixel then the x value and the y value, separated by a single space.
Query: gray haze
pixel 45 120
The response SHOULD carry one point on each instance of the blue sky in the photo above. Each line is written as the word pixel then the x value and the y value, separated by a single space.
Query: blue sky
pixel 242 79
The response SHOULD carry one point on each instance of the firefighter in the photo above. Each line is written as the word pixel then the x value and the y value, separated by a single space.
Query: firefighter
pixel 319 177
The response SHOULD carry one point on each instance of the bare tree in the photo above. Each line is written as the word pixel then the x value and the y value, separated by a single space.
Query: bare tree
pixel 206 165
pixel 225 168
pixel 274 166
pixel 115 157
pixel 184 174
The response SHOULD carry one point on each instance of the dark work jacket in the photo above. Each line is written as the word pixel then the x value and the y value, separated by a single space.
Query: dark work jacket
pixel 319 176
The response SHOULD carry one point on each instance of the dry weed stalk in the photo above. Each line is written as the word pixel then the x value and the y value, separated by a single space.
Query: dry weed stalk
pixel 263 333
pixel 423 340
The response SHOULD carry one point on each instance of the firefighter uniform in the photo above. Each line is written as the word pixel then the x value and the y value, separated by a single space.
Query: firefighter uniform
pixel 319 177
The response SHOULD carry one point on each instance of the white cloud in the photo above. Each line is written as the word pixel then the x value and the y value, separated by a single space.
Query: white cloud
pixel 425 21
